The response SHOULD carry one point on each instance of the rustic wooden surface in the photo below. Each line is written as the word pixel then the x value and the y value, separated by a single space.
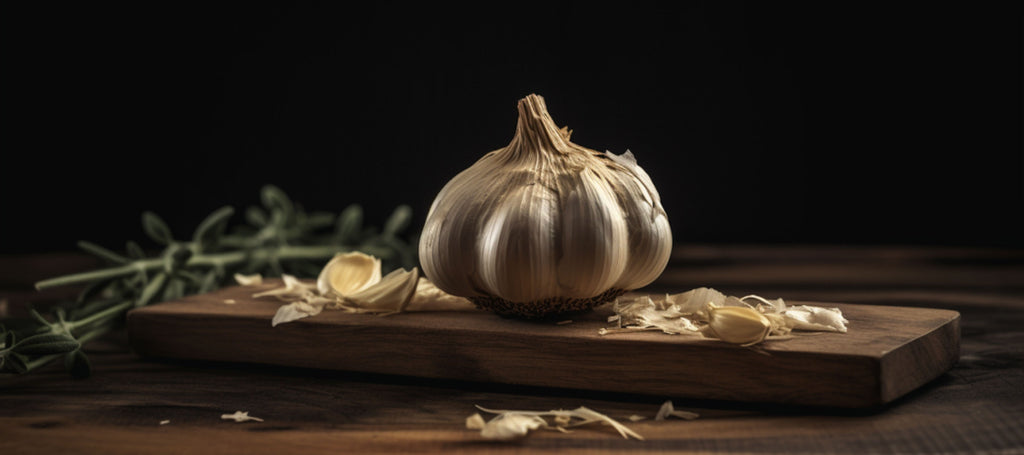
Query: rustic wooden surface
pixel 976 407
pixel 887 352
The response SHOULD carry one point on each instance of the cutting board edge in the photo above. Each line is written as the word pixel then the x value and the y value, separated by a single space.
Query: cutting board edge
pixel 935 353
pixel 864 394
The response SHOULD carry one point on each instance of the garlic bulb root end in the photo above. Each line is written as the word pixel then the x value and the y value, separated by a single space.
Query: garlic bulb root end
pixel 547 308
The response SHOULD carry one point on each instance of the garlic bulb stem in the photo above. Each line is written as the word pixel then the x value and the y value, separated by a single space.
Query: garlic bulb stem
pixel 536 130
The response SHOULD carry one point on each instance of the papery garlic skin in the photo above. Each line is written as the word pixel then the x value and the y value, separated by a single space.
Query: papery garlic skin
pixel 545 226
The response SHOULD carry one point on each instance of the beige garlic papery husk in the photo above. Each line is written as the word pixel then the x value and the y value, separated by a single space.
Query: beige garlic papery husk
pixel 545 227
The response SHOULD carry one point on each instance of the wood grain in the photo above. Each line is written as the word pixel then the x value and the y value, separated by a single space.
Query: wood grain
pixel 888 351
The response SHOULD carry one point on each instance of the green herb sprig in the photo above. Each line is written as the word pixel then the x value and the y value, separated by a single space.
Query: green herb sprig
pixel 278 238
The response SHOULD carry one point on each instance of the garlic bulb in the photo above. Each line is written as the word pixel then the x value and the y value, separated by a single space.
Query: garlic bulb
pixel 544 226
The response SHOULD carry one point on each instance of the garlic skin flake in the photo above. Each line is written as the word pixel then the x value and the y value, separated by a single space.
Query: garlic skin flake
pixel 506 427
pixel 389 295
pixel 352 282
pixel 240 416
pixel 731 319
pixel 514 424
pixel 669 410
pixel 248 280
pixel 806 317
pixel 545 226
pixel 429 298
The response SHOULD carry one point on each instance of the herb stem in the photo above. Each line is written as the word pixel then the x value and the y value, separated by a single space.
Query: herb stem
pixel 109 313
pixel 286 252
pixel 40 361
pixel 101 274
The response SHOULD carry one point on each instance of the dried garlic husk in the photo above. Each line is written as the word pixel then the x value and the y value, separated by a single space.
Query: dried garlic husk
pixel 353 282
pixel 475 422
pixel 669 410
pixel 512 424
pixel 240 416
pixel 713 314
pixel 429 298
pixel 391 294
pixel 695 300
pixel 666 316
pixel 806 317
pixel 248 280
pixel 545 226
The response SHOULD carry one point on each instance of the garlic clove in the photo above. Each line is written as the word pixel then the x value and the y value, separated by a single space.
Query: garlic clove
pixel 348 273
pixel 448 244
pixel 737 324
pixel 516 252
pixel 595 232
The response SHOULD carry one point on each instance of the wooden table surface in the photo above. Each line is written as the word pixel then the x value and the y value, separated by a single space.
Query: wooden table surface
pixel 977 407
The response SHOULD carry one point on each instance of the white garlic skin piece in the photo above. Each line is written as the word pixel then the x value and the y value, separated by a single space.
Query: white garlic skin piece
pixel 545 222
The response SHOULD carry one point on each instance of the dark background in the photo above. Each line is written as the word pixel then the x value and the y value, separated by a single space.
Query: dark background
pixel 803 123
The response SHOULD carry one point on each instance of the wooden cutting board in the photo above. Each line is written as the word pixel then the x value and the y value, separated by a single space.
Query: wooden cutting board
pixel 887 352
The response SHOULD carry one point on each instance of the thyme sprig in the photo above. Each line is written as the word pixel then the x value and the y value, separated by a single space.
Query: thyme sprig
pixel 279 237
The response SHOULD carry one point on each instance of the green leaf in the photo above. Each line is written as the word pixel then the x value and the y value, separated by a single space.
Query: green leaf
pixel 9 339
pixel 175 257
pixel 77 364
pixel 102 253
pixel 212 228
pixel 398 220
pixel 156 228
pixel 46 344
pixel 209 282
pixel 298 216
pixel 92 290
pixel 38 317
pixel 187 277
pixel 152 288
pixel 17 362
pixel 92 306
pixel 256 216
pixel 349 224
pixel 134 250
pixel 319 220
pixel 174 290
pixel 276 200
